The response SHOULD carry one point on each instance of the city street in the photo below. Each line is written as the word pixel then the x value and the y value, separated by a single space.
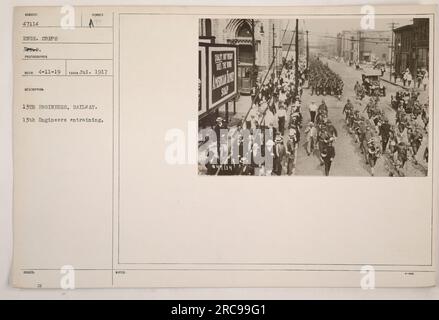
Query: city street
pixel 348 160
pixel 327 62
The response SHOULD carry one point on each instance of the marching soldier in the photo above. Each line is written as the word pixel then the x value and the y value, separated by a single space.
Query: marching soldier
pixel 328 155
pixel 372 155
pixel 384 132
pixel 323 107
pixel 332 131
pixel 347 109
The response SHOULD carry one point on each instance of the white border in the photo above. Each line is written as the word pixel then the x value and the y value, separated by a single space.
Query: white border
pixel 7 292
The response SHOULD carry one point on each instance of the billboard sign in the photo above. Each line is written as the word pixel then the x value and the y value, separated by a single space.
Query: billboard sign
pixel 222 73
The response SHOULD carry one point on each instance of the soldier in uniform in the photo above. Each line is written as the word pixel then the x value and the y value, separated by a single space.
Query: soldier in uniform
pixel 323 107
pixel 319 87
pixel 372 155
pixel 347 109
pixel 328 155
pixel 332 131
pixel 384 133
pixel 369 106
pixel 400 156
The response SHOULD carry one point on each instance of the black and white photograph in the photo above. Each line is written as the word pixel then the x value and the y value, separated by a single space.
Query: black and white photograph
pixel 113 177
pixel 326 96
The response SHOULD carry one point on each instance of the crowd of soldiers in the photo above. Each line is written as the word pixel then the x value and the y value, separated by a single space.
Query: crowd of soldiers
pixel 274 124
pixel 321 134
pixel 409 108
pixel 376 136
pixel 324 81
pixel 366 130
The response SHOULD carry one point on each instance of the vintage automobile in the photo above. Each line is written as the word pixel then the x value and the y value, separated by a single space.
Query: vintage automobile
pixel 379 65
pixel 372 84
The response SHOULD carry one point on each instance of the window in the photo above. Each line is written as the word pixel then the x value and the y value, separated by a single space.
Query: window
pixel 244 31
pixel 208 27
pixel 422 58
pixel 205 27
pixel 245 54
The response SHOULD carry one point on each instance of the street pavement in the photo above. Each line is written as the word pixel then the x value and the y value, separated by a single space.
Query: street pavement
pixel 348 159
pixel 349 76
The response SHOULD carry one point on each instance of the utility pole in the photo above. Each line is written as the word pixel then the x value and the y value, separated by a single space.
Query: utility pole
pixel 274 53
pixel 296 62
pixel 392 52
pixel 415 64
pixel 253 73
pixel 307 50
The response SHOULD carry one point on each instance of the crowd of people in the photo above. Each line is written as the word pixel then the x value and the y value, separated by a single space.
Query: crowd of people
pixel 408 107
pixel 277 107
pixel 274 124
pixel 377 136
pixel 324 81
pixel 271 126
pixel 418 80
pixel 366 130
pixel 321 134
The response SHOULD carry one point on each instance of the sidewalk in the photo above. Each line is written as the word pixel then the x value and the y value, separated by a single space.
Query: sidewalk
pixel 242 106
pixel 400 83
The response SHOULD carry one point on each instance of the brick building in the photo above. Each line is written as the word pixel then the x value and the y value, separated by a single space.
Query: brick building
pixel 412 46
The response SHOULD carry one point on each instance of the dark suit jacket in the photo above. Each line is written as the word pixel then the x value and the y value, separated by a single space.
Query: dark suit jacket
pixel 281 151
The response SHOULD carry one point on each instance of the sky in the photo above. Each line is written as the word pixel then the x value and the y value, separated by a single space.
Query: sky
pixel 331 26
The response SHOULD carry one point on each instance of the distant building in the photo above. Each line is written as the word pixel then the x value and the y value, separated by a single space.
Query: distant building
pixel 348 45
pixel 364 46
pixel 412 46
pixel 375 46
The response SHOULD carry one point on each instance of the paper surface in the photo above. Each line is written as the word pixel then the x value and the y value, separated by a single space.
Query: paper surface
pixel 105 104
